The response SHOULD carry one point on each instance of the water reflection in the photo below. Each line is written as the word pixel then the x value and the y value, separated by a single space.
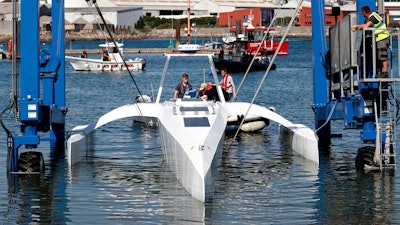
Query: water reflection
pixel 361 197
pixel 285 140
pixel 129 191
pixel 131 179
pixel 262 168
pixel 39 198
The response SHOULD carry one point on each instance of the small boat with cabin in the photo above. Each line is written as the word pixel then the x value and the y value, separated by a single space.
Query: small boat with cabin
pixel 113 62
pixel 241 46
pixel 251 37
pixel 238 61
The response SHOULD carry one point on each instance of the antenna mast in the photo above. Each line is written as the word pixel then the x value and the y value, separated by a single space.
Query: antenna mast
pixel 188 22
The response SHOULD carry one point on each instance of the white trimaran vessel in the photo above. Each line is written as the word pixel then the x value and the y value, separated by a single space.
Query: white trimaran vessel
pixel 192 129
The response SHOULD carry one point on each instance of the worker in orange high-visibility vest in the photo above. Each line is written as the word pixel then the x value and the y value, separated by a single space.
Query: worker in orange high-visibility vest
pixel 10 46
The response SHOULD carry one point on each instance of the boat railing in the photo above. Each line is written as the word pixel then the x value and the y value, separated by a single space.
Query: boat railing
pixel 370 63
pixel 207 55
pixel 353 57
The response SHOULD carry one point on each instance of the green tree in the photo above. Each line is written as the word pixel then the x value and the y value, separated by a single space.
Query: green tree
pixel 151 22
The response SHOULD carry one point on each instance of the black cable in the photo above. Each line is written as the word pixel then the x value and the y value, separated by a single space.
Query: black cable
pixel 396 105
pixel 10 138
pixel 126 66
pixel 116 46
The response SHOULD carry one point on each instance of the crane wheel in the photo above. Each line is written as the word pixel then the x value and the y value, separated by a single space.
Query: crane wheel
pixel 365 157
pixel 31 162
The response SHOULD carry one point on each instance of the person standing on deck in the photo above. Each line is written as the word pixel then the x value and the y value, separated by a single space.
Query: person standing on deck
pixel 227 84
pixel 182 87
pixel 84 53
pixel 373 19
pixel 220 54
pixel 106 56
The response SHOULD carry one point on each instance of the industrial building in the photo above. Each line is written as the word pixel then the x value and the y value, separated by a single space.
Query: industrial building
pixel 80 17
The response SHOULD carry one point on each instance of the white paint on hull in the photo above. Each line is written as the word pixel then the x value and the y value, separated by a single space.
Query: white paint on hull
pixel 82 64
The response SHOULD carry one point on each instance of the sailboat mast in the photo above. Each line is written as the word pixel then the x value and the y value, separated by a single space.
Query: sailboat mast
pixel 188 22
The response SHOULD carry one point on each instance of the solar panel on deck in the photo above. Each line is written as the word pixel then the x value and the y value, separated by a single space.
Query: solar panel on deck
pixel 196 122
pixel 194 109
pixel 192 99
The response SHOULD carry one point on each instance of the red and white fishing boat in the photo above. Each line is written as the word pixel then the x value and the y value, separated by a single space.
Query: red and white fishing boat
pixel 249 38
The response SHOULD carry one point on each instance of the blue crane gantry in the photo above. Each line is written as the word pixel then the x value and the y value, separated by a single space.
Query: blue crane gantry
pixel 347 86
pixel 39 102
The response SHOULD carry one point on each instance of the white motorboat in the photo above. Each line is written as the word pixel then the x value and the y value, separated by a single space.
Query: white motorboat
pixel 115 61
pixel 192 131
pixel 188 48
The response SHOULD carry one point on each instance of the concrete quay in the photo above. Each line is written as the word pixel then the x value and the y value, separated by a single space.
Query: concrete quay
pixel 77 52
pixel 126 51
pixel 130 51
pixel 218 32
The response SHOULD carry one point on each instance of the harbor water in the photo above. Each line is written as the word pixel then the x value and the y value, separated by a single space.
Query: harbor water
pixel 125 180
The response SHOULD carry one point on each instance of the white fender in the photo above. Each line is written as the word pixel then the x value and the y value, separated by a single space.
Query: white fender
pixel 251 123
pixel 253 126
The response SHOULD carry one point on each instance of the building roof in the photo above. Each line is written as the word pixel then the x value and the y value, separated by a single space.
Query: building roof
pixel 80 21
pixel 84 4
pixel 44 19
pixel 212 6
pixel 100 21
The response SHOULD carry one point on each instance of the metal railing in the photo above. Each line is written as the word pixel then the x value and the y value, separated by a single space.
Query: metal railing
pixel 369 45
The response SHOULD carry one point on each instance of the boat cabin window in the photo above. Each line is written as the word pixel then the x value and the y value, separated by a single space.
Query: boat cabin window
pixel 251 36
pixel 258 35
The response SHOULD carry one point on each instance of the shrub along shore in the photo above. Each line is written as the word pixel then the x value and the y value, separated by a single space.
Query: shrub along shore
pixel 294 32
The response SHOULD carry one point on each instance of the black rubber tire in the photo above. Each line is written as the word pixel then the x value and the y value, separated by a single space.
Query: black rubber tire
pixel 31 162
pixel 365 156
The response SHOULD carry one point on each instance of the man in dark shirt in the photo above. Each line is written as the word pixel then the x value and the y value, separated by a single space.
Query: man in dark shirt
pixel 182 87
